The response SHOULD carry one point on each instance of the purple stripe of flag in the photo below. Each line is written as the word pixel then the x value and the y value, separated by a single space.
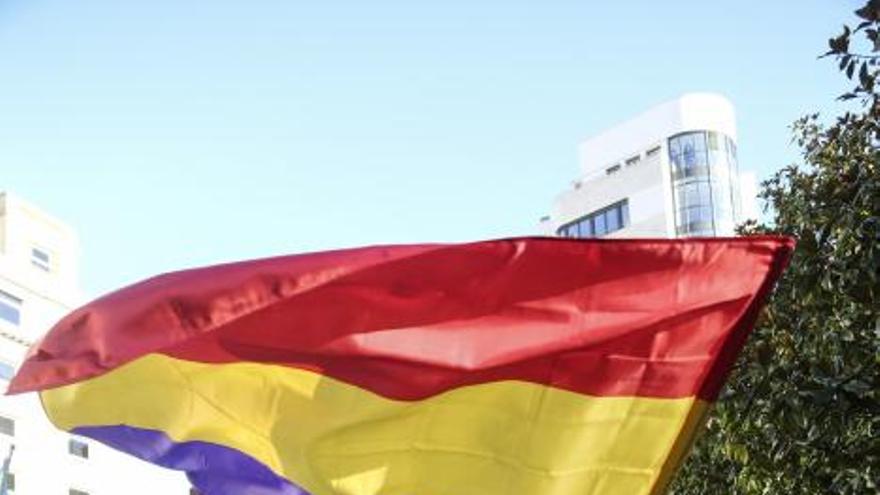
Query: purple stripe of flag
pixel 213 469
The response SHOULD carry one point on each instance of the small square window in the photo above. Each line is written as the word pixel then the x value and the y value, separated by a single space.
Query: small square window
pixel 41 259
pixel 633 160
pixel 652 152
pixel 78 448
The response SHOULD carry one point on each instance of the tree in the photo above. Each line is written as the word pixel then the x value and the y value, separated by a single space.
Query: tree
pixel 801 413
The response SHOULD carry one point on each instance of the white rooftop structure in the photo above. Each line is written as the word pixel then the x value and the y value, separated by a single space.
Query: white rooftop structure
pixel 670 171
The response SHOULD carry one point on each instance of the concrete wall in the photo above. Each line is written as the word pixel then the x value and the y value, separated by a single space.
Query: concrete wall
pixel 641 184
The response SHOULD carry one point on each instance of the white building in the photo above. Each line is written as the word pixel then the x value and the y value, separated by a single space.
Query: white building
pixel 38 285
pixel 669 172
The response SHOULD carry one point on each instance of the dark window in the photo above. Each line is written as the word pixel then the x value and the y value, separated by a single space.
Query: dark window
pixel 194 491
pixel 10 481
pixel 613 169
pixel 652 152
pixel 10 308
pixel 74 491
pixel 78 448
pixel 7 426
pixel 633 160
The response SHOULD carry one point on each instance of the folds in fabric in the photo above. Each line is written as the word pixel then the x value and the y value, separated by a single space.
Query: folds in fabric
pixel 532 366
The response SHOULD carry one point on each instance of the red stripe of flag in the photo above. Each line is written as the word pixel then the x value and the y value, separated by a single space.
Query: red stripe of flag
pixel 657 318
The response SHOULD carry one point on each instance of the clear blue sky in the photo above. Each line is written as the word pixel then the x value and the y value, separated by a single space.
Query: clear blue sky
pixel 174 133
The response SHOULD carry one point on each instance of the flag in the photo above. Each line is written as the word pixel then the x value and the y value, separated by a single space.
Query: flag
pixel 528 366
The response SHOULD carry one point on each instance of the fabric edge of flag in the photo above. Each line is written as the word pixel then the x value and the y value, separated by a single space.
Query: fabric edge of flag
pixel 717 376
pixel 680 448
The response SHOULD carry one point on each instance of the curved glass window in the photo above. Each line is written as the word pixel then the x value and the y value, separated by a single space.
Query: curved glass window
pixel 687 154
pixel 704 183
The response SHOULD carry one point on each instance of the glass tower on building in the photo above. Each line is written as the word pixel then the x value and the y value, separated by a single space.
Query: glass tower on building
pixel 705 183
pixel 669 172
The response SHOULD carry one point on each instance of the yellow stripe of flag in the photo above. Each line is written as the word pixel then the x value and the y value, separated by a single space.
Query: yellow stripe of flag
pixel 333 438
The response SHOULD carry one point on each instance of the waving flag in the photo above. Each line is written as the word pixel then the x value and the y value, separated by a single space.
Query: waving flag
pixel 527 366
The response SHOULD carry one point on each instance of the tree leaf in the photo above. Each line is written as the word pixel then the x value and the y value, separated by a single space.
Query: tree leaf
pixel 864 78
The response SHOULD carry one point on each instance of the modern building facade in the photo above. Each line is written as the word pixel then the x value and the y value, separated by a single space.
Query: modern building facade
pixel 38 285
pixel 669 172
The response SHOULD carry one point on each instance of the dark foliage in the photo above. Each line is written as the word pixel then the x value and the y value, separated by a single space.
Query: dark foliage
pixel 801 413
